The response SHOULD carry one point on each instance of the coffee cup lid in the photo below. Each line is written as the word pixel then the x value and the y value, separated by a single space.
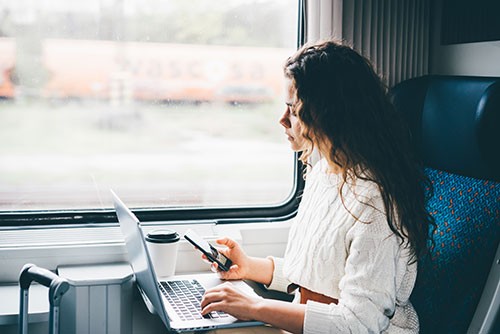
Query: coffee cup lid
pixel 162 236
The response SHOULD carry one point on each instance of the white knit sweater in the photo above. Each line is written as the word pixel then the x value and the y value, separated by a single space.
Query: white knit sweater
pixel 359 262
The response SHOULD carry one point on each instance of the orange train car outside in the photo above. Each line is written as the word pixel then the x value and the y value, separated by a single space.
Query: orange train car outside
pixel 151 71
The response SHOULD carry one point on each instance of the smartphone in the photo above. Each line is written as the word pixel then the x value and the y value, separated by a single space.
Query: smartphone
pixel 212 254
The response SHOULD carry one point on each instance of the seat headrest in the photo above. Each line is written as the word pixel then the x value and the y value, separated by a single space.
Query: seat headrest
pixel 455 122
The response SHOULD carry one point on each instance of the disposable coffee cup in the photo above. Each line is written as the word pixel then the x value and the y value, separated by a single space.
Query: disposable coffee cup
pixel 162 246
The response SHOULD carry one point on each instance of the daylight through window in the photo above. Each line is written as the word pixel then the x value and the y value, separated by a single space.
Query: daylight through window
pixel 168 102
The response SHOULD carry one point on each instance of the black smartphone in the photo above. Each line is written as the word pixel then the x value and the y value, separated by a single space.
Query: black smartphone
pixel 212 254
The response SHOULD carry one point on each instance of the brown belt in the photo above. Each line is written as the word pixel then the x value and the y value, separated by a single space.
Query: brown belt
pixel 306 294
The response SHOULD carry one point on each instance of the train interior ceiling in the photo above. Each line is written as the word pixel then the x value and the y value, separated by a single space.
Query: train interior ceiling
pixel 169 89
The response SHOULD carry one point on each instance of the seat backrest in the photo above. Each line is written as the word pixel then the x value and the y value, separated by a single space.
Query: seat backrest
pixel 455 126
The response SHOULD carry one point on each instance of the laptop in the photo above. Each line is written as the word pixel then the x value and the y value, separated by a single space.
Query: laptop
pixel 176 299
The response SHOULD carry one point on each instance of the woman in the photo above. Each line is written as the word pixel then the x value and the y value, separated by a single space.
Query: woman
pixel 362 224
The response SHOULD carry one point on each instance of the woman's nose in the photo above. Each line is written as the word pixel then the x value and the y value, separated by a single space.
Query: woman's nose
pixel 284 120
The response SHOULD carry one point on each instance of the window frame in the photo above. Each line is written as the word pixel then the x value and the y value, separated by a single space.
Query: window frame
pixel 265 213
pixel 220 215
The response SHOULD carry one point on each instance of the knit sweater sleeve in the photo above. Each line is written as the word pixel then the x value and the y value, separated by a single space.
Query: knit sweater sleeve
pixel 368 289
pixel 279 281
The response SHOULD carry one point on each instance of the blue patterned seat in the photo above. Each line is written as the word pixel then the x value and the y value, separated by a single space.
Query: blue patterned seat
pixel 467 213
pixel 455 125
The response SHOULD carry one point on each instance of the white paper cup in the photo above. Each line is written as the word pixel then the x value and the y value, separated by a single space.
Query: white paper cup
pixel 162 246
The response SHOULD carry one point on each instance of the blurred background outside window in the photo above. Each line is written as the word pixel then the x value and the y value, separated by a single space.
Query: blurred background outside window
pixel 169 102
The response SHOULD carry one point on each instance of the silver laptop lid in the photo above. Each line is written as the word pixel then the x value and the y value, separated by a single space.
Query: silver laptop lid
pixel 139 258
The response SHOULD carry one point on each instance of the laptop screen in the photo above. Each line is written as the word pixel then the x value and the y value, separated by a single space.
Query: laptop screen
pixel 139 257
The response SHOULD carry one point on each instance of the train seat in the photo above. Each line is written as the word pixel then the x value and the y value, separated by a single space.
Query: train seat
pixel 455 125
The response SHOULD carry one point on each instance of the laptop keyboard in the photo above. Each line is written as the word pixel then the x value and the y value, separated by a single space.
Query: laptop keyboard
pixel 185 298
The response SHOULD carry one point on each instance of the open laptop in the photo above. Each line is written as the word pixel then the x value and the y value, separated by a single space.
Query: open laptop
pixel 175 299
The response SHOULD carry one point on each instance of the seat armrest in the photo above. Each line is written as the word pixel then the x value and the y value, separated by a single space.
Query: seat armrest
pixel 486 319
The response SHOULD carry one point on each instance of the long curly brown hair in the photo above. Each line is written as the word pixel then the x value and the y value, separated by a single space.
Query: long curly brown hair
pixel 346 112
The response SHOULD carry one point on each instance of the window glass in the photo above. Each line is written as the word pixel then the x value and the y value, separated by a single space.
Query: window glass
pixel 168 102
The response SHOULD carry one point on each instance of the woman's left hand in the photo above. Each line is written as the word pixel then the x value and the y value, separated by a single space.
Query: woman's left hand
pixel 227 298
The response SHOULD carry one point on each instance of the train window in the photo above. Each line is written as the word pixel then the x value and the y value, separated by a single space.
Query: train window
pixel 171 103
